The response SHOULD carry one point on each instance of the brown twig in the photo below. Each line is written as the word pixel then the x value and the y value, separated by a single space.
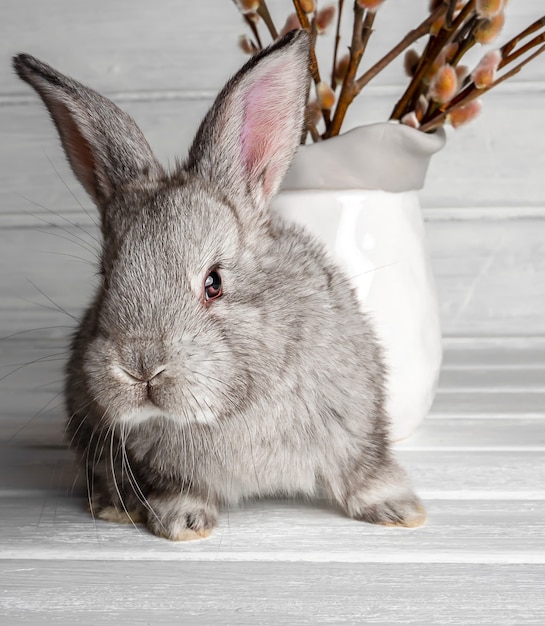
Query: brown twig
pixel 255 31
pixel 539 39
pixel 465 41
pixel 336 45
pixel 511 44
pixel 263 12
pixel 367 30
pixel 450 13
pixel 305 24
pixel 409 39
pixel 416 86
pixel 313 61
pixel 348 92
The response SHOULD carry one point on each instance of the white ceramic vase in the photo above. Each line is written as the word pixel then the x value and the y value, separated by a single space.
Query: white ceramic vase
pixel 357 192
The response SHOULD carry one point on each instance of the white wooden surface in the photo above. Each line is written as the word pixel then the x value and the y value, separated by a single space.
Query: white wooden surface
pixel 478 461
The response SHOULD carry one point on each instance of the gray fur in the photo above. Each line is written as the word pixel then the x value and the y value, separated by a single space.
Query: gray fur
pixel 177 406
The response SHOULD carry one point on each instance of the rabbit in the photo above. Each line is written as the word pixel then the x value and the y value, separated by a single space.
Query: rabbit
pixel 224 356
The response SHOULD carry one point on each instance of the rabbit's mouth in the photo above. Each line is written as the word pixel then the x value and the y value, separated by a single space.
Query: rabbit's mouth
pixel 142 414
pixel 148 411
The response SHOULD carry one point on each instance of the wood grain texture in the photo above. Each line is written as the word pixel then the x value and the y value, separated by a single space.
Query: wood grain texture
pixel 135 45
pixel 68 592
pixel 48 527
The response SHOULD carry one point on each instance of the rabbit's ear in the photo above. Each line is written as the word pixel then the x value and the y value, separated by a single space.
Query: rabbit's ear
pixel 246 142
pixel 103 144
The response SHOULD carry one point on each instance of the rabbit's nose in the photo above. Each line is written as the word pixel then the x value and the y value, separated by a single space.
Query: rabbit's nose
pixel 142 375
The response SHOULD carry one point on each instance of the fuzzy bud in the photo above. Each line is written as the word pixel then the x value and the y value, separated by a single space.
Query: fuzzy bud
pixel 464 114
pixel 450 51
pixel 248 6
pixel 292 23
pixel 410 119
pixel 246 45
pixel 308 6
pixel 341 68
pixel 421 107
pixel 462 72
pixel 437 64
pixel 326 95
pixel 440 22
pixel 324 17
pixel 488 30
pixel 313 112
pixel 370 5
pixel 252 16
pixel 437 26
pixel 489 8
pixel 485 73
pixel 444 85
pixel 410 63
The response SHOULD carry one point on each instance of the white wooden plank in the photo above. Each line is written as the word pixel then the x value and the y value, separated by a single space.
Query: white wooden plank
pixel 499 404
pixel 488 276
pixel 486 434
pixel 126 45
pixel 511 380
pixel 100 593
pixel 50 527
pixel 135 45
pixel 493 353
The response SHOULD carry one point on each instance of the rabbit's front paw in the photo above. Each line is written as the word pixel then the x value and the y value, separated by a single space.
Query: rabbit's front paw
pixel 120 516
pixel 181 517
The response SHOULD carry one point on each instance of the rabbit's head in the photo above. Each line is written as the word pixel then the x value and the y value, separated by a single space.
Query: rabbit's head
pixel 186 263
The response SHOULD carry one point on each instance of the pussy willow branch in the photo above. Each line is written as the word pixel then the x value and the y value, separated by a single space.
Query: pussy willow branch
pixel 450 13
pixel 523 50
pixel 356 52
pixel 471 93
pixel 313 65
pixel 254 29
pixel 336 46
pixel 305 23
pixel 462 33
pixel 465 40
pixel 409 39
pixel 263 12
pixel 416 86
pixel 512 43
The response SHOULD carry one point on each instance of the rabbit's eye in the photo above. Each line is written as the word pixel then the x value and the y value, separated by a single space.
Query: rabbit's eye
pixel 212 286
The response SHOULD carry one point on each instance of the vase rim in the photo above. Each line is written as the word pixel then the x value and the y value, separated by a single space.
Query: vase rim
pixel 387 155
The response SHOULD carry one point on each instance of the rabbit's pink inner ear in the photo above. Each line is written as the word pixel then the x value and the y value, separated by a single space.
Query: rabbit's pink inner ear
pixel 267 131
pixel 78 150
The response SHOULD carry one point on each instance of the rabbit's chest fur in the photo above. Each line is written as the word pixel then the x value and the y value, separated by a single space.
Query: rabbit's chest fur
pixel 263 452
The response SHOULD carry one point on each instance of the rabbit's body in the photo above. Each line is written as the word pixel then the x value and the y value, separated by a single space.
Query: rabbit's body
pixel 224 356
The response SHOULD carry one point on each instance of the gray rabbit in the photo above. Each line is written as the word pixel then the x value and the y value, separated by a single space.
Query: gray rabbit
pixel 224 355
